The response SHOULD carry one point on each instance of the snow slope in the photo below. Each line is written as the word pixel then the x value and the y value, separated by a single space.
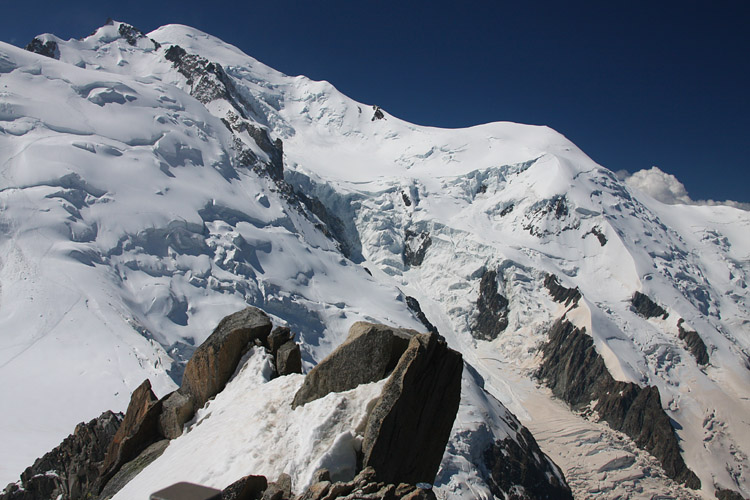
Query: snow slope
pixel 130 225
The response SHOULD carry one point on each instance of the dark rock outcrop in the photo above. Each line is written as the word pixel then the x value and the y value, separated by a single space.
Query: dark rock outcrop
pixel 723 494
pixel 71 470
pixel 209 82
pixel 214 362
pixel 48 48
pixel 131 469
pixel 247 488
pixel 577 374
pixel 599 235
pixel 643 305
pixel 521 472
pixel 378 115
pixel 368 354
pixel 694 343
pixel 413 305
pixel 492 307
pixel 139 429
pixel 560 293
pixel 415 247
pixel 288 359
pixel 410 423
pixel 406 199
pixel 130 33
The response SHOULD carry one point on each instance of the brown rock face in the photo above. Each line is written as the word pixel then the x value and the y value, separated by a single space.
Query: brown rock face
pixel 214 362
pixel 411 422
pixel 247 488
pixel 139 429
pixel 369 353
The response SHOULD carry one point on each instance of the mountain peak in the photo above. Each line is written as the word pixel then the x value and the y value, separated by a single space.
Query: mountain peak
pixel 152 184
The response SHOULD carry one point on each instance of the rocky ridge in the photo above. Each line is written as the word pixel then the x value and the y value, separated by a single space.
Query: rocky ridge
pixel 415 411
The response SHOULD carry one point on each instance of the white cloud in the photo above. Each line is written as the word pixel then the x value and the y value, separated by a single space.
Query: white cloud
pixel 667 189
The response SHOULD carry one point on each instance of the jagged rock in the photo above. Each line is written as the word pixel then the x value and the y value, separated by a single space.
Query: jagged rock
pixel 215 360
pixel 414 306
pixel 247 488
pixel 288 359
pixel 492 319
pixel 209 82
pixel 71 470
pixel 723 494
pixel 410 424
pixel 368 354
pixel 281 489
pixel 577 374
pixel 560 293
pixel 138 430
pixel 522 471
pixel 278 337
pixel 694 343
pixel 415 247
pixel 48 48
pixel 177 408
pixel 643 305
pixel 130 33
pixel 131 469
pixel 364 486
pixel 378 115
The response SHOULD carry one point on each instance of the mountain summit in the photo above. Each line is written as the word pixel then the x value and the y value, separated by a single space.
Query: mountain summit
pixel 152 184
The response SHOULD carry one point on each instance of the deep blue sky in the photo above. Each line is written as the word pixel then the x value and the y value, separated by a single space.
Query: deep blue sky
pixel 632 83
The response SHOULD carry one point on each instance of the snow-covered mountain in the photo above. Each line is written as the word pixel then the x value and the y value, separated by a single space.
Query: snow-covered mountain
pixel 152 184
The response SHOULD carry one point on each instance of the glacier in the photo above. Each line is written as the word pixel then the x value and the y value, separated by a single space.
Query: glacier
pixel 146 192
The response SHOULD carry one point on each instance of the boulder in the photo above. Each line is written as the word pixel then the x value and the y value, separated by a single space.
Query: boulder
pixel 278 337
pixel 138 430
pixel 281 489
pixel 368 354
pixel 288 359
pixel 411 422
pixel 316 491
pixel 247 488
pixel 177 408
pixel 216 359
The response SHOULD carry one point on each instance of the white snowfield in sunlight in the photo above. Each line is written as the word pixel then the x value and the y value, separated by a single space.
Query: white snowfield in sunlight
pixel 129 226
